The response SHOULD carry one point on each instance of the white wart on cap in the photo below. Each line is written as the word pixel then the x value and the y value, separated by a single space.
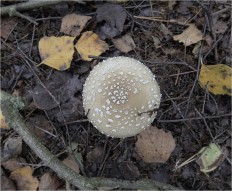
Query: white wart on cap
pixel 120 97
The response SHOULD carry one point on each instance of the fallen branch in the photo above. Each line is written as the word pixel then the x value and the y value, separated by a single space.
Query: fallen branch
pixel 161 20
pixel 10 106
pixel 14 10
pixel 31 5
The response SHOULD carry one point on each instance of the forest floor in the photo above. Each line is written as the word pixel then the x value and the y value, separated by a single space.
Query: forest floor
pixel 195 116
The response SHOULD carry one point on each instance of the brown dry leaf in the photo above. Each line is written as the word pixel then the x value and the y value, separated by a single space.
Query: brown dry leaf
pixel 220 27
pixel 183 7
pixel 154 145
pixel 166 32
pixel 90 44
pixel 73 24
pixel 40 126
pixel 24 179
pixel 6 27
pixel 71 163
pixel 7 184
pixel 171 4
pixel 206 46
pixel 95 155
pixel 3 123
pixel 49 181
pixel 189 36
pixel 14 163
pixel 114 16
pixel 124 44
pixel 56 52
pixel 128 170
pixel 12 147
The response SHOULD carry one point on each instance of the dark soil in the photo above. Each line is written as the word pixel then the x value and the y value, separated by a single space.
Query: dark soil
pixel 194 116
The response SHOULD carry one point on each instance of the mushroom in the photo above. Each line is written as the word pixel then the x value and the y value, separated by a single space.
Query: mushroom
pixel 121 96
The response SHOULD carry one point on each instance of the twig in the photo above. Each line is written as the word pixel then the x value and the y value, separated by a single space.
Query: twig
pixel 197 74
pixel 161 20
pixel 208 15
pixel 10 106
pixel 72 122
pixel 152 62
pixel 194 118
pixel 31 5
pixel 10 111
pixel 213 46
pixel 18 14
pixel 221 11
pixel 211 135
pixel 13 10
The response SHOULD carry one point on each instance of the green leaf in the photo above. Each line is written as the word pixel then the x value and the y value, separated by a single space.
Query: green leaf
pixel 210 158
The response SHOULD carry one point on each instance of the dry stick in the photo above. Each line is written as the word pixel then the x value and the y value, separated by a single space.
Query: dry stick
pixel 197 74
pixel 54 99
pixel 13 10
pixel 194 118
pixel 221 11
pixel 161 20
pixel 178 109
pixel 152 62
pixel 211 135
pixel 213 46
pixel 208 16
pixel 10 106
pixel 31 5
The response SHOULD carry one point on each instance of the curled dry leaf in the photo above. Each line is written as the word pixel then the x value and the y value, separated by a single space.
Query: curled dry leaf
pixel 95 155
pixel 42 96
pixel 73 24
pixel 56 52
pixel 71 163
pixel 128 170
pixel 7 184
pixel 114 16
pixel 171 4
pixel 49 181
pixel 154 145
pixel 124 44
pixel 216 78
pixel 90 44
pixel 40 126
pixel 3 123
pixel 14 163
pixel 166 32
pixel 24 179
pixel 205 46
pixel 220 27
pixel 189 36
pixel 7 25
pixel 12 147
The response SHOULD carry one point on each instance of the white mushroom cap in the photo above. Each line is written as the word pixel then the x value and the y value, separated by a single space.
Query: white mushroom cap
pixel 119 97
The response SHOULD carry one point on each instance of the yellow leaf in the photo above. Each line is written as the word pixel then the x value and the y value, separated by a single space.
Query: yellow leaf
pixel 90 44
pixel 216 78
pixel 3 123
pixel 24 179
pixel 189 36
pixel 56 52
